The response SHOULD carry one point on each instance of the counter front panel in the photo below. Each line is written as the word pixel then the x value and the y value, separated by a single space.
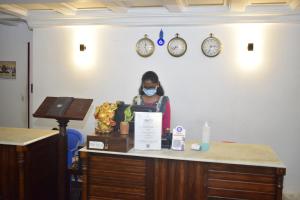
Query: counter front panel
pixel 28 164
pixel 111 175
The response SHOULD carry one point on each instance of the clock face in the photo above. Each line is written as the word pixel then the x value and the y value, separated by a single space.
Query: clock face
pixel 211 46
pixel 177 46
pixel 145 47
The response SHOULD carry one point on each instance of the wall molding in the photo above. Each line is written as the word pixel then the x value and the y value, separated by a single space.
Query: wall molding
pixel 162 17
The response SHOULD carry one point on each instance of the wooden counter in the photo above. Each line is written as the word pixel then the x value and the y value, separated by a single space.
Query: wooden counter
pixel 226 171
pixel 28 164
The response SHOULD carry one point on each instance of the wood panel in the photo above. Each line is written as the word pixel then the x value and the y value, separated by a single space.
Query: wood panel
pixel 215 193
pixel 242 168
pixel 241 185
pixel 179 180
pixel 29 172
pixel 227 181
pixel 117 177
pixel 259 178
pixel 107 177
pixel 8 175
pixel 41 169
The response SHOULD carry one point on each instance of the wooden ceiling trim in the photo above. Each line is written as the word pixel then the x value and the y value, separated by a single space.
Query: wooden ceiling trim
pixel 294 4
pixel 63 8
pixel 175 5
pixel 115 6
pixel 14 10
pixel 238 5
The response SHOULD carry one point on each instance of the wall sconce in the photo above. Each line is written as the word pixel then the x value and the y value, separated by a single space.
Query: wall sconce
pixel 250 47
pixel 82 47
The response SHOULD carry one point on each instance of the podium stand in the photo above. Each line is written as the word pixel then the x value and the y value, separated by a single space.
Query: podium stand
pixel 63 109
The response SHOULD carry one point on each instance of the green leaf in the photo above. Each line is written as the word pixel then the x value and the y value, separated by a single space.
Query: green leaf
pixel 128 114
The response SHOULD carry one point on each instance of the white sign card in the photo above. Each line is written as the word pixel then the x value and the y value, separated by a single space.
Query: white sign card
pixel 147 130
pixel 178 139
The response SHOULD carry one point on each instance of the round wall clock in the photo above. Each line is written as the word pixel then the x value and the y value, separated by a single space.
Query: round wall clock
pixel 145 47
pixel 177 46
pixel 211 46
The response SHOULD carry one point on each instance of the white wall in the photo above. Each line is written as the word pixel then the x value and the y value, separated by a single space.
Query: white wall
pixel 258 106
pixel 13 92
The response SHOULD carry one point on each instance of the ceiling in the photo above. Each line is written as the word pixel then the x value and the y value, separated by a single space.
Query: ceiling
pixel 21 10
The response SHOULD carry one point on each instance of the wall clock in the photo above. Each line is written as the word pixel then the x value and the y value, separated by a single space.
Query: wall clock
pixel 177 46
pixel 211 46
pixel 145 47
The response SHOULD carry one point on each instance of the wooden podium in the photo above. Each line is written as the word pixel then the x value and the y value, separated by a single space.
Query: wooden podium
pixel 63 109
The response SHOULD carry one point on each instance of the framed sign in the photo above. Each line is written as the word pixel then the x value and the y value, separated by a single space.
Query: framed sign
pixel 8 69
pixel 147 130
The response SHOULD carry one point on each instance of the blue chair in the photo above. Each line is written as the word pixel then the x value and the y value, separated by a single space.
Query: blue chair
pixel 75 138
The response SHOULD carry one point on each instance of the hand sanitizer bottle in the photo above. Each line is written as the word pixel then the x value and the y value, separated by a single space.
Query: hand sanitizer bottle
pixel 205 137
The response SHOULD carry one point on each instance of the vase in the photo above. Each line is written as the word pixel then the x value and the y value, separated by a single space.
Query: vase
pixel 124 128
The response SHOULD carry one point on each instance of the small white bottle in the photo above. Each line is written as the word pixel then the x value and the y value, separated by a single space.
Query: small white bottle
pixel 205 137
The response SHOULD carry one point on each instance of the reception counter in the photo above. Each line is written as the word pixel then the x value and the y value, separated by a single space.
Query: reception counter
pixel 226 171
pixel 28 164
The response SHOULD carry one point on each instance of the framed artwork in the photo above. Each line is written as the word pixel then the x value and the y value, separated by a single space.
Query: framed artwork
pixel 8 69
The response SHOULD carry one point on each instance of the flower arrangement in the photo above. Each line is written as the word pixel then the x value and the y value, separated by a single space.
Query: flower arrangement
pixel 104 115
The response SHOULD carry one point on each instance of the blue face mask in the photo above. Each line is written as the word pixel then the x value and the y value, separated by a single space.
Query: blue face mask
pixel 150 92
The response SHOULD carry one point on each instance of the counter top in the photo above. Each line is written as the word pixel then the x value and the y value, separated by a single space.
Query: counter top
pixel 23 136
pixel 229 153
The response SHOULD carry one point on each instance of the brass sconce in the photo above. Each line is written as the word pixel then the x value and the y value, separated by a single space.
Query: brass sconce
pixel 250 47
pixel 82 47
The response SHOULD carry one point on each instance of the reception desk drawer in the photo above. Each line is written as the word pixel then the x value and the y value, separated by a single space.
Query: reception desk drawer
pixel 227 181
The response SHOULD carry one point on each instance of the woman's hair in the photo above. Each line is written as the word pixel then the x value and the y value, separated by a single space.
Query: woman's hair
pixel 151 76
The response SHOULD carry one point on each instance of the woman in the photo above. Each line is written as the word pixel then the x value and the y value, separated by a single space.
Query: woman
pixel 151 93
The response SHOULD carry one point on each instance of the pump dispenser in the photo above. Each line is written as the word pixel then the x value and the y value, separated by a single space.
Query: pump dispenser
pixel 205 137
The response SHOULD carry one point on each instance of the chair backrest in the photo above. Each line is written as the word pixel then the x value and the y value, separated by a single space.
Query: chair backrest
pixel 75 138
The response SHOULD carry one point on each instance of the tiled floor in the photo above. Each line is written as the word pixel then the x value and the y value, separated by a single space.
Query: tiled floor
pixel 75 191
pixel 289 196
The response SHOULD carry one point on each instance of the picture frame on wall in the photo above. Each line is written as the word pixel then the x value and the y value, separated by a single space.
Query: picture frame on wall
pixel 8 69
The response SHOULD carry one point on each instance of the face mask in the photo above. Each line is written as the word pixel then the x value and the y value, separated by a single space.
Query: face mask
pixel 150 92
